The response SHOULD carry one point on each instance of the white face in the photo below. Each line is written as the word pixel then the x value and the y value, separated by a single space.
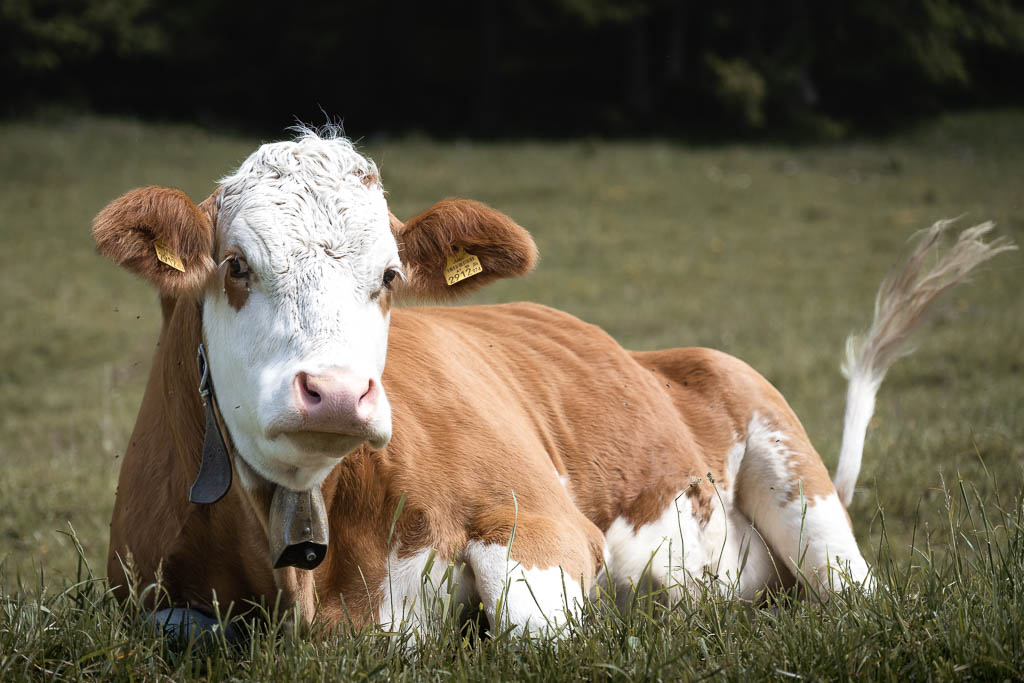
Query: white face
pixel 296 321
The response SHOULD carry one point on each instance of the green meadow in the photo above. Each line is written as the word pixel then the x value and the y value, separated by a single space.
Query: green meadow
pixel 772 253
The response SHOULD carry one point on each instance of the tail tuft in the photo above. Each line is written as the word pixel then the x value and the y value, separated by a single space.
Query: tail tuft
pixel 901 304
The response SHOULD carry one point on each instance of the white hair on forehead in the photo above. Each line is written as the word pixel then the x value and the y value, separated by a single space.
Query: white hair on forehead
pixel 319 161
pixel 328 131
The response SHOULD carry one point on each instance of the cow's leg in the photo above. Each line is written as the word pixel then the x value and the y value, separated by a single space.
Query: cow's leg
pixel 746 565
pixel 415 588
pixel 535 583
pixel 697 542
pixel 298 594
pixel 668 553
pixel 785 490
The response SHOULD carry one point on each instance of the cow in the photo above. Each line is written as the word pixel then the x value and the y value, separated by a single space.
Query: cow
pixel 303 439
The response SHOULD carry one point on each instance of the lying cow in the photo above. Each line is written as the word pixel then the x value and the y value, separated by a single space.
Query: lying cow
pixel 515 443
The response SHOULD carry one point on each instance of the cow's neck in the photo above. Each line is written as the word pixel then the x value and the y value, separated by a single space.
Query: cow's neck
pixel 182 405
pixel 179 339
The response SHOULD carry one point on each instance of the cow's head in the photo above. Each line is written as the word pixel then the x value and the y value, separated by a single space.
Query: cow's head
pixel 295 260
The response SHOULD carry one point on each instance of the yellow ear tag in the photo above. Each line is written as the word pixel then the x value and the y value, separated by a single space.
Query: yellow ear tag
pixel 165 255
pixel 461 265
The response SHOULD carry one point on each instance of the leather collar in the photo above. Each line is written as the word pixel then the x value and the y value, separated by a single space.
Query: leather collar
pixel 215 475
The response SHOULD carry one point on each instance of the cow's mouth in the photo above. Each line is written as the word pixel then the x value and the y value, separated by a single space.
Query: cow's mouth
pixel 333 444
pixel 327 444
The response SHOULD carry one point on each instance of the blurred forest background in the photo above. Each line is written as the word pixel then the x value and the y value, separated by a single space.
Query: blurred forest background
pixel 726 69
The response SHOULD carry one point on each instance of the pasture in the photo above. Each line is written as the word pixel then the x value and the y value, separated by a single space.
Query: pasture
pixel 770 253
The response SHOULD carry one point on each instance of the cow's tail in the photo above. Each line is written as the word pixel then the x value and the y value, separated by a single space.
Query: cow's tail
pixel 903 299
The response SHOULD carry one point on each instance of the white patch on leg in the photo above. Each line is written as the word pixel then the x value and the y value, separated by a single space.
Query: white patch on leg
pixel 535 600
pixel 733 460
pixel 416 587
pixel 824 552
pixel 766 461
pixel 811 537
pixel 746 566
pixel 679 552
pixel 676 551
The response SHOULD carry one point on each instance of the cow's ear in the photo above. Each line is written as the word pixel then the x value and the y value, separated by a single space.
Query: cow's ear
pixel 459 230
pixel 160 234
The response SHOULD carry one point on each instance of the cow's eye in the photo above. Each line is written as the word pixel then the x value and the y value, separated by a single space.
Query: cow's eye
pixel 389 276
pixel 237 267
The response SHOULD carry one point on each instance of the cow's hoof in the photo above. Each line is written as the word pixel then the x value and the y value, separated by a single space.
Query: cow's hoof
pixel 181 622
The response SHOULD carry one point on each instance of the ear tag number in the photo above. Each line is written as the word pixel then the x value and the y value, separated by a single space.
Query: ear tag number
pixel 461 265
pixel 165 255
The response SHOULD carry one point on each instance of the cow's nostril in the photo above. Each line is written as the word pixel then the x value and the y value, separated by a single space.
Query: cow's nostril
pixel 367 402
pixel 309 393
pixel 369 394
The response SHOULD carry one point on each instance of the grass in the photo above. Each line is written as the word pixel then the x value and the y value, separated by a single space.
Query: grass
pixel 950 614
pixel 770 253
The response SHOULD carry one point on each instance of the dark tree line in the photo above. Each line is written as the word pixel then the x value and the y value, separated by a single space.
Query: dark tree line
pixel 547 67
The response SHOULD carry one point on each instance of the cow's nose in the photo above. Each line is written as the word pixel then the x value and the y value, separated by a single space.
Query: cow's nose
pixel 337 401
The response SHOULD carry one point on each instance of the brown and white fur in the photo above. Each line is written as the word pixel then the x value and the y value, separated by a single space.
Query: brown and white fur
pixel 611 467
